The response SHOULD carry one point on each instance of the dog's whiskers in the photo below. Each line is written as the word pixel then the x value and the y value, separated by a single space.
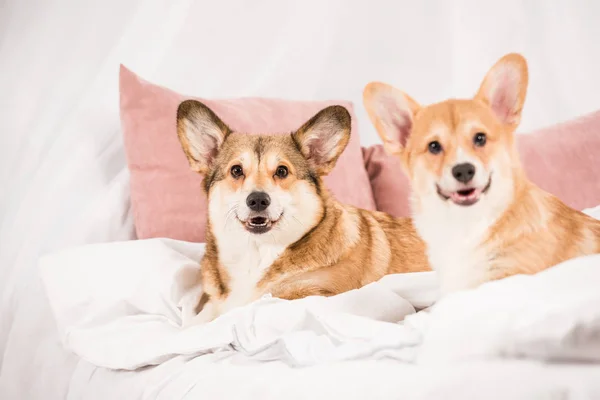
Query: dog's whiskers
pixel 298 221
pixel 231 211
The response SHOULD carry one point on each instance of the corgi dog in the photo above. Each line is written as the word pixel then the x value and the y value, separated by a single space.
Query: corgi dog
pixel 272 225
pixel 479 215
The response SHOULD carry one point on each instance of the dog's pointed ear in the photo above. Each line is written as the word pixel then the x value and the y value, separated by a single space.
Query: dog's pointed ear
pixel 392 113
pixel 324 137
pixel 505 87
pixel 201 134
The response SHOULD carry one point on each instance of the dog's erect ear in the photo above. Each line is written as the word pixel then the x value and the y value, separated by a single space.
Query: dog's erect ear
pixel 324 137
pixel 505 87
pixel 392 112
pixel 201 134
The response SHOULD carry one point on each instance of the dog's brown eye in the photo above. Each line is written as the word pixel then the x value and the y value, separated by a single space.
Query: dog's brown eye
pixel 281 171
pixel 237 171
pixel 434 147
pixel 479 139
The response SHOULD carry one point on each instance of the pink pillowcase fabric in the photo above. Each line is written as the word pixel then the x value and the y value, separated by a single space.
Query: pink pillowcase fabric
pixel 563 159
pixel 391 187
pixel 167 197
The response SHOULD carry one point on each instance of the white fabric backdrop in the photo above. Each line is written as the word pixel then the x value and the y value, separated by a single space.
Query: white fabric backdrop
pixel 62 170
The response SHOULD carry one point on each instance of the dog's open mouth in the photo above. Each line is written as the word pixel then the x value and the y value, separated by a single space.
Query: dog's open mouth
pixel 258 221
pixel 465 197
pixel 259 224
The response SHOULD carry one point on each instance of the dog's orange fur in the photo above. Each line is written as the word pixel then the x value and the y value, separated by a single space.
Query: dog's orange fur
pixel 516 227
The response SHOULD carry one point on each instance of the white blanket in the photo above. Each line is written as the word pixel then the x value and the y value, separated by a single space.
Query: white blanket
pixel 117 306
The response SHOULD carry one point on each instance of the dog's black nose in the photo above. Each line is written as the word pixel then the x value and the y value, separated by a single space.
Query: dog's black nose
pixel 258 201
pixel 463 172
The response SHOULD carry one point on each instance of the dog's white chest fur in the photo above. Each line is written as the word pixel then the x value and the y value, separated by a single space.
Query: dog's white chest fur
pixel 455 247
pixel 246 266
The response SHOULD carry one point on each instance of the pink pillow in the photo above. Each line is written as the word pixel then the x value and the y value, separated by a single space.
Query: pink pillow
pixel 563 159
pixel 391 187
pixel 166 196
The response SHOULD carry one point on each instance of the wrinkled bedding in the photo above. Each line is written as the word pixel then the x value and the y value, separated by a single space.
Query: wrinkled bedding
pixel 470 354
pixel 121 306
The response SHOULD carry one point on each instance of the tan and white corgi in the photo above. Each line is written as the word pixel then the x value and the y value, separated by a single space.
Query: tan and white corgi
pixel 272 225
pixel 479 215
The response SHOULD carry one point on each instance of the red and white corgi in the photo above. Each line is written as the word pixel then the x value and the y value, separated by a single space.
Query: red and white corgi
pixel 479 215
pixel 272 225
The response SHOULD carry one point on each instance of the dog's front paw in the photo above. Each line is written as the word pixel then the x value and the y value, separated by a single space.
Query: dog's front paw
pixel 190 319
pixel 186 284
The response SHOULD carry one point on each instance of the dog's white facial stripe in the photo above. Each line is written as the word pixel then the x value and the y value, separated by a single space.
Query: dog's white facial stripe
pixel 462 156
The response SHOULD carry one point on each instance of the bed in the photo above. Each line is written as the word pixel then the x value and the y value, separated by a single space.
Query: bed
pixel 36 363
pixel 65 182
